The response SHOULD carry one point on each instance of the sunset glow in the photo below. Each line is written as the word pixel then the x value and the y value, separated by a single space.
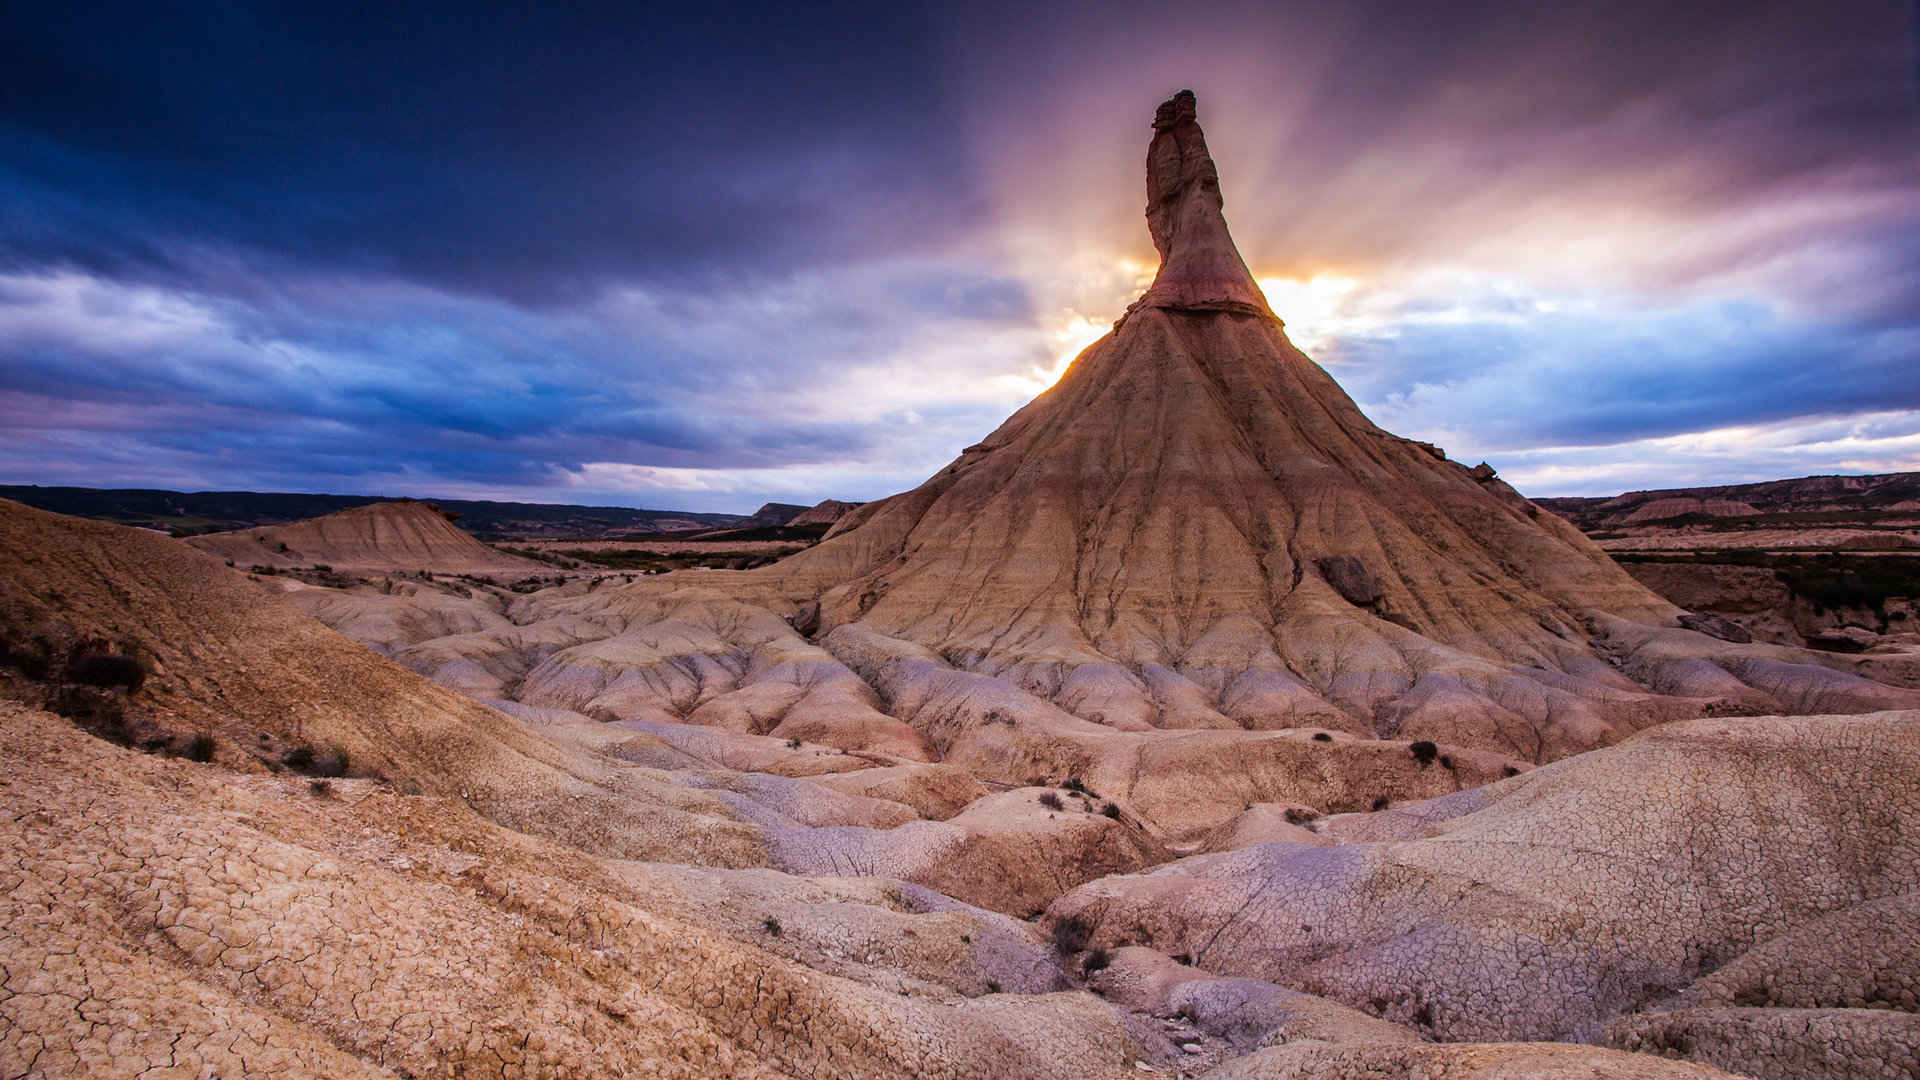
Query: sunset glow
pixel 1314 309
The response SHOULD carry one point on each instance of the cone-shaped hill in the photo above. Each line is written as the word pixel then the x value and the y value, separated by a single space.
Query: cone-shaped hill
pixel 1197 527
pixel 1192 574
pixel 379 537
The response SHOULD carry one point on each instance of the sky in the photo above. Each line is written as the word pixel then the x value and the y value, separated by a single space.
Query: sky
pixel 712 255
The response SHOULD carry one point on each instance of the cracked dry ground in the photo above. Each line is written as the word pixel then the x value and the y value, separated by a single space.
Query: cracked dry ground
pixel 169 919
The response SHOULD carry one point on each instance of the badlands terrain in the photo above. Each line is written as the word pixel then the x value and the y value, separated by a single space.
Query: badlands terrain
pixel 1831 562
pixel 1188 724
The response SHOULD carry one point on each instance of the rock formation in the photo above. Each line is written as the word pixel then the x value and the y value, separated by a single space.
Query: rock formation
pixel 1192 557
pixel 1197 528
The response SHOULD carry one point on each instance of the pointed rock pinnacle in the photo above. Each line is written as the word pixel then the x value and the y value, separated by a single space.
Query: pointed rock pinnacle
pixel 1200 269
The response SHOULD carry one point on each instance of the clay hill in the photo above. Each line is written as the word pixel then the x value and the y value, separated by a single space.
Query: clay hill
pixel 1188 725
pixel 390 536
pixel 1197 529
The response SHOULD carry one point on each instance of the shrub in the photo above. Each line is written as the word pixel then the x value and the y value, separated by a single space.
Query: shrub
pixel 200 748
pixel 1321 736
pixel 1424 752
pixel 1070 934
pixel 793 744
pixel 335 763
pixel 1111 811
pixel 993 987
pixel 33 658
pixel 107 670
pixel 1509 770
pixel 1097 960
pixel 305 759
pixel 1381 802
pixel 1297 816
pixel 771 925
pixel 1446 762
pixel 1051 801
pixel 1078 787
pixel 320 789
pixel 99 711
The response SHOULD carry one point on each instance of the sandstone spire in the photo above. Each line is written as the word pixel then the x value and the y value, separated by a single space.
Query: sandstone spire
pixel 1200 269
pixel 1197 527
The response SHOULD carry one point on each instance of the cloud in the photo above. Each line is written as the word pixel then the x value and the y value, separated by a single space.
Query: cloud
pixel 409 389
pixel 720 252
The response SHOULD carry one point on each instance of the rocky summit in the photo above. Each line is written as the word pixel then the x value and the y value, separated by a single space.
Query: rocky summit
pixel 1189 724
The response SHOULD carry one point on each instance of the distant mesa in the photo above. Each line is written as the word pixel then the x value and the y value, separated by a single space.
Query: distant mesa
pixel 1826 562
pixel 774 514
pixel 403 535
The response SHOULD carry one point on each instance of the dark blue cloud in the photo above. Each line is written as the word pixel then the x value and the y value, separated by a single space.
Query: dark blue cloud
pixel 523 151
pixel 1624 371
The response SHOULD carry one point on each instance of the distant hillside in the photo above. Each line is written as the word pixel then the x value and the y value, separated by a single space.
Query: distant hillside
pixel 1821 561
pixel 1803 502
pixel 401 535
pixel 193 513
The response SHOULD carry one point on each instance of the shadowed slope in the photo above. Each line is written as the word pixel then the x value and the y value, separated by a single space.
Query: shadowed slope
pixel 227 659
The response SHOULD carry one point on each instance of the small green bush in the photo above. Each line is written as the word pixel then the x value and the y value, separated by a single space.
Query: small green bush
pixel 1111 811
pixel 1424 752
pixel 1051 801
pixel 771 925
pixel 1321 736
pixel 1381 802
pixel 1097 960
